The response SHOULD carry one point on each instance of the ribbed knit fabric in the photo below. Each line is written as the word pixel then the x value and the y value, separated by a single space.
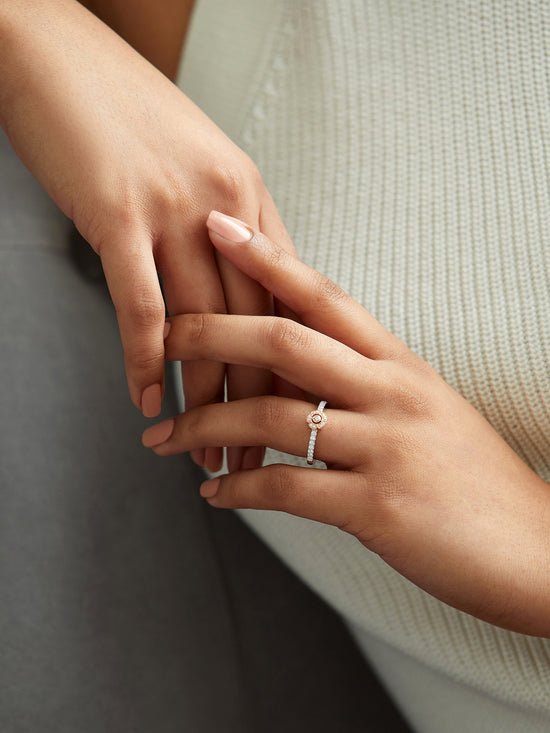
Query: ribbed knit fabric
pixel 407 146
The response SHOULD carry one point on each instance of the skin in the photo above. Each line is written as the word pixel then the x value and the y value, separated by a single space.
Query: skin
pixel 414 472
pixel 137 167
pixel 156 30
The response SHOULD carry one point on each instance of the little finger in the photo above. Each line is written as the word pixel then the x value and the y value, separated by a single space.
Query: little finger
pixel 331 497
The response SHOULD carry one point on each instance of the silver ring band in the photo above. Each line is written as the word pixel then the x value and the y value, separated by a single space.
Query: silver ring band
pixel 315 420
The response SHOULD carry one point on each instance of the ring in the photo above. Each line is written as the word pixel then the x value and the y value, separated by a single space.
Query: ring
pixel 315 420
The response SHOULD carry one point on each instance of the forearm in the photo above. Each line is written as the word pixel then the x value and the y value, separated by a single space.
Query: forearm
pixel 42 43
pixel 62 68
pixel 156 30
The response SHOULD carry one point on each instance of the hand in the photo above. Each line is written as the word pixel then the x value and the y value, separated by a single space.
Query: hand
pixel 137 166
pixel 414 472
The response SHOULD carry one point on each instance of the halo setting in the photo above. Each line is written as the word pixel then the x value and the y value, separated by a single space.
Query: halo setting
pixel 316 419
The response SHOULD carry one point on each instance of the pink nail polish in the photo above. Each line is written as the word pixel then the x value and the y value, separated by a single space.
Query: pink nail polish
pixel 210 488
pixel 150 400
pixel 157 434
pixel 231 229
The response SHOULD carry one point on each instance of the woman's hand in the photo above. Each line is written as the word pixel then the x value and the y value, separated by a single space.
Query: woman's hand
pixel 137 166
pixel 414 472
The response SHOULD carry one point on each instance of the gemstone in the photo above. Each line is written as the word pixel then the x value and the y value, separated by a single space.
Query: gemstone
pixel 317 418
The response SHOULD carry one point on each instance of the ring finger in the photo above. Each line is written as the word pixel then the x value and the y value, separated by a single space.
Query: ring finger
pixel 277 422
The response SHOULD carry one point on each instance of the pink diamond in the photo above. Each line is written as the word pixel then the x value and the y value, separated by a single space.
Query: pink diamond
pixel 316 418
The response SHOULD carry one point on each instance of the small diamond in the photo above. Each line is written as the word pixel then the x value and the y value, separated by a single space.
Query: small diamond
pixel 317 418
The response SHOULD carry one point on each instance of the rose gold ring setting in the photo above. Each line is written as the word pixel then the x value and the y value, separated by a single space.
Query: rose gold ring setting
pixel 315 420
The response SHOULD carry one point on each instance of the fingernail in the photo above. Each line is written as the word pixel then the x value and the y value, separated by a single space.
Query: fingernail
pixel 210 488
pixel 157 434
pixel 197 455
pixel 167 327
pixel 229 228
pixel 150 400
pixel 252 458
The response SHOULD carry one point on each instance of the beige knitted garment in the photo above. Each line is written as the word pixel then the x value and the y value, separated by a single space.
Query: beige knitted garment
pixel 407 147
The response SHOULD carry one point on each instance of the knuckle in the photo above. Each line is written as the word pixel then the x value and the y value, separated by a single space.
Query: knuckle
pixel 145 361
pixel 410 401
pixel 275 257
pixel 327 293
pixel 404 393
pixel 145 312
pixel 231 183
pixel 287 336
pixel 194 328
pixel 271 413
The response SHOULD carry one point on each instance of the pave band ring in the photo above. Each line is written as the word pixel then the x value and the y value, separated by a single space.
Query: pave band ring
pixel 315 420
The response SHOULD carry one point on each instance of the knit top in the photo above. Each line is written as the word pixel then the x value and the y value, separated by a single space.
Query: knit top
pixel 406 144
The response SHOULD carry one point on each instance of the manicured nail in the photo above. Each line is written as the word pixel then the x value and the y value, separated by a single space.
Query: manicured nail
pixel 167 327
pixel 197 455
pixel 150 400
pixel 210 488
pixel 157 434
pixel 229 228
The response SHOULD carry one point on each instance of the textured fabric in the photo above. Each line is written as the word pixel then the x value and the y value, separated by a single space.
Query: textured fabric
pixel 406 145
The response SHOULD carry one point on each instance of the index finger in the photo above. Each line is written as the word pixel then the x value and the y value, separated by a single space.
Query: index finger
pixel 318 301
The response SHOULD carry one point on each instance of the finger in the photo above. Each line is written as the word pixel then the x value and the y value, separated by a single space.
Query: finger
pixel 308 359
pixel 244 296
pixel 331 497
pixel 271 225
pixel 318 301
pixel 276 422
pixel 133 282
pixel 192 283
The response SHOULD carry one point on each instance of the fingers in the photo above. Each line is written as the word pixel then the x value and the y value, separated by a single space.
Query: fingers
pixel 277 422
pixel 132 278
pixel 308 359
pixel 272 226
pixel 331 497
pixel 319 302
pixel 192 283
pixel 244 296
